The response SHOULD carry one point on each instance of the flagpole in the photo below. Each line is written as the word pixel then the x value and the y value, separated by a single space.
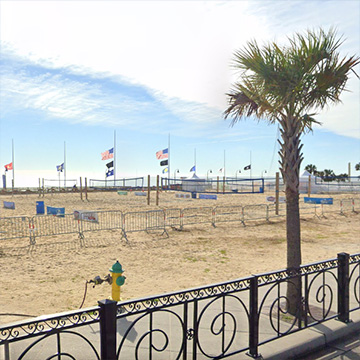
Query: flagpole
pixel 64 165
pixel 13 164
pixel 195 160
pixel 224 166
pixel 114 157
pixel 250 166
pixel 169 161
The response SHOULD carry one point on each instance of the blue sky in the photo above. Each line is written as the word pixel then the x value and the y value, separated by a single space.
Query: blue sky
pixel 74 72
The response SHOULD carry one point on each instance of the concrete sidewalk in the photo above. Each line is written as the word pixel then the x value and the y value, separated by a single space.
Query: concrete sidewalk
pixel 330 340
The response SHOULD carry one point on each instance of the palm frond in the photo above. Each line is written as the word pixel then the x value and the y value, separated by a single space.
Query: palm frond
pixel 287 81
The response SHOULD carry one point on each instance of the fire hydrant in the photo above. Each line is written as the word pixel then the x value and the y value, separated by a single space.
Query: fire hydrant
pixel 117 280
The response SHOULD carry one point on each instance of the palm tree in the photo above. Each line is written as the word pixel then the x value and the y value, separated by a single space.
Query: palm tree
pixel 329 175
pixel 286 85
pixel 311 169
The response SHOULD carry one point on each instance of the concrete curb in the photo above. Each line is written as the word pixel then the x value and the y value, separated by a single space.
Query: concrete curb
pixel 310 340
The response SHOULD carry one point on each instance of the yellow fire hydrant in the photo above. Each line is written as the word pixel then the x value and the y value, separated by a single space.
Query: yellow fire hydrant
pixel 117 280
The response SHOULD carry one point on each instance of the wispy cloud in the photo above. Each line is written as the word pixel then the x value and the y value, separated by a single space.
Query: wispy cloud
pixel 98 99
pixel 166 62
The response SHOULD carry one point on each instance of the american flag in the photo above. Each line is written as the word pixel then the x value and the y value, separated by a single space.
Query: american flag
pixel 8 166
pixel 109 154
pixel 162 154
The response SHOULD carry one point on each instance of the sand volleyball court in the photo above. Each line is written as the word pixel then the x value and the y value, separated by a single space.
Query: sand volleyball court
pixel 51 277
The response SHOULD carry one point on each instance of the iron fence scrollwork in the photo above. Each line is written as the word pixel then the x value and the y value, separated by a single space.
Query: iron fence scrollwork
pixel 214 321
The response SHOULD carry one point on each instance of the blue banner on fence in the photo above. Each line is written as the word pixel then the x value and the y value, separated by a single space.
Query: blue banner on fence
pixel 207 196
pixel 55 211
pixel 138 193
pixel 327 201
pixel 9 205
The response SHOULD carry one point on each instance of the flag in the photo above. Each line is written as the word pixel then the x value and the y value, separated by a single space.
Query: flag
pixel 193 168
pixel 247 167
pixel 220 170
pixel 110 164
pixel 165 170
pixel 163 163
pixel 162 154
pixel 110 173
pixel 60 167
pixel 109 154
pixel 8 167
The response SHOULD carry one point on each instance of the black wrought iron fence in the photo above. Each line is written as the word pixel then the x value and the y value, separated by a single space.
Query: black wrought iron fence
pixel 214 321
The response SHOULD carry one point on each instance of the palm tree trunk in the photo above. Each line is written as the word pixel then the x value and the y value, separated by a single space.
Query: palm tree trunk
pixel 291 158
pixel 293 251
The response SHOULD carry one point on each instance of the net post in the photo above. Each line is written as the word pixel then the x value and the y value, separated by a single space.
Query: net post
pixel 148 191
pixel 81 195
pixel 157 190
pixel 86 193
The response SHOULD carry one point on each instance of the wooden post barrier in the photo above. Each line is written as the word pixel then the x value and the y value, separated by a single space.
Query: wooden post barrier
pixel 157 190
pixel 148 191
pixel 277 194
pixel 81 195
pixel 86 193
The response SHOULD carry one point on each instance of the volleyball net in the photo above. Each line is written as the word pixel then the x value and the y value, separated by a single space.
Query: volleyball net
pixel 59 184
pixel 118 184
pixel 220 185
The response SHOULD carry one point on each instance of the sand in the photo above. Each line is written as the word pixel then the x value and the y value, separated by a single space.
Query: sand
pixel 52 277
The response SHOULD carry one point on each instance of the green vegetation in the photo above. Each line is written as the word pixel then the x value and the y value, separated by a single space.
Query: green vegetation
pixel 287 85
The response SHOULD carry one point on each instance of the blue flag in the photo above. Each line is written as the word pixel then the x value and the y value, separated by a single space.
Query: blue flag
pixel 110 173
pixel 165 170
pixel 60 167
pixel 193 168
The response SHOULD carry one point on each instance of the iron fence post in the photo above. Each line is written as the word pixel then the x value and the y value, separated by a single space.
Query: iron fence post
pixel 343 287
pixel 108 310
pixel 253 319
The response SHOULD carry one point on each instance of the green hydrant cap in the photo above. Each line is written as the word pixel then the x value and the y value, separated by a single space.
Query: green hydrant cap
pixel 117 268
pixel 120 280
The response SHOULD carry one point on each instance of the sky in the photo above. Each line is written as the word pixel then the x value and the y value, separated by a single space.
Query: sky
pixel 77 77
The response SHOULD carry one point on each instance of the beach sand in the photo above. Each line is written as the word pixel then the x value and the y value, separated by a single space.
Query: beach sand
pixel 51 278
